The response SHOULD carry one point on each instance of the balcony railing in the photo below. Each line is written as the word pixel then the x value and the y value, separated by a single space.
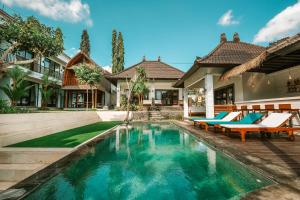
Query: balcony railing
pixel 31 66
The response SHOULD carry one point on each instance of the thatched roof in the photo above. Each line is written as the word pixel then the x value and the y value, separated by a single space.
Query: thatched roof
pixel 280 55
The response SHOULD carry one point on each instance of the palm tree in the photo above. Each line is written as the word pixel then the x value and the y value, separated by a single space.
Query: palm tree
pixel 18 88
pixel 139 77
pixel 46 90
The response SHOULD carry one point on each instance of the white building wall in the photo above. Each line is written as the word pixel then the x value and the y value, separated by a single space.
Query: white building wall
pixel 152 86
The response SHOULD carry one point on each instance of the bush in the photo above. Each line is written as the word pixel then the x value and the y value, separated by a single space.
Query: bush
pixel 179 117
pixel 5 108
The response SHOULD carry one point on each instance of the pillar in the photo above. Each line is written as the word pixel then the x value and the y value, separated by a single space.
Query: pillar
pixel 209 96
pixel 58 102
pixel 39 95
pixel 118 94
pixel 185 103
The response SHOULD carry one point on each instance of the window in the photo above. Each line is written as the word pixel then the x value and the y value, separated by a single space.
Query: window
pixel 167 97
pixel 225 95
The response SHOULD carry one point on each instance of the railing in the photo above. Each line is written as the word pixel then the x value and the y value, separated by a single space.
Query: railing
pixel 40 69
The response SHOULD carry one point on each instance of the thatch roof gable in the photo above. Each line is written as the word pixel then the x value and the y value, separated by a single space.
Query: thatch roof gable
pixel 276 51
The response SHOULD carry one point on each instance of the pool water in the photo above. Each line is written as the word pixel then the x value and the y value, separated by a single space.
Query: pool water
pixel 151 161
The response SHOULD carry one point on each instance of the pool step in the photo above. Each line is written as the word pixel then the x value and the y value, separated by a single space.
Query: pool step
pixel 155 115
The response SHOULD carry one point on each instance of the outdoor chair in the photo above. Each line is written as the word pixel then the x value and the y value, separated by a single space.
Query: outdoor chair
pixel 251 118
pixel 218 116
pixel 275 122
pixel 230 117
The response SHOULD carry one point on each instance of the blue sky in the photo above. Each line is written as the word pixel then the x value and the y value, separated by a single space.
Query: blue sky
pixel 176 30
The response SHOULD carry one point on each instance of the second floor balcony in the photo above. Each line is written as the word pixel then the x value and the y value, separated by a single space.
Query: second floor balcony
pixel 46 66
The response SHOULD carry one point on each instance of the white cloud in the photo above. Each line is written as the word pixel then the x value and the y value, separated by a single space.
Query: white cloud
pixel 107 68
pixel 66 10
pixel 227 19
pixel 284 24
pixel 72 51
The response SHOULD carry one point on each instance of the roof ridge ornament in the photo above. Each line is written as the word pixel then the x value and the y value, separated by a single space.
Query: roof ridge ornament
pixel 223 38
pixel 144 58
pixel 236 37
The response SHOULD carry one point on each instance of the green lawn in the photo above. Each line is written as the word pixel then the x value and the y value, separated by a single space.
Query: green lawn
pixel 68 138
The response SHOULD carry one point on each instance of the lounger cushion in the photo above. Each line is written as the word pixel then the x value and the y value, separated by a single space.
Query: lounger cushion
pixel 231 116
pixel 248 119
pixel 274 120
pixel 218 116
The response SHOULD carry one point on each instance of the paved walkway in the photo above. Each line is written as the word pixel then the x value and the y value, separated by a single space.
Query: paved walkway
pixel 16 164
pixel 277 158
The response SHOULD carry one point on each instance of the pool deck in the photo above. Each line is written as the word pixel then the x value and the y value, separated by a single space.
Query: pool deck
pixel 20 166
pixel 276 158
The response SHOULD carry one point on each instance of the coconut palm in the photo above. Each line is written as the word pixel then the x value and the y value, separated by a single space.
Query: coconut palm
pixel 18 87
pixel 139 77
pixel 46 90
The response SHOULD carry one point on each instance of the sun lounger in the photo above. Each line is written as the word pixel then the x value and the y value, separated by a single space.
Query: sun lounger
pixel 275 122
pixel 218 116
pixel 251 118
pixel 230 117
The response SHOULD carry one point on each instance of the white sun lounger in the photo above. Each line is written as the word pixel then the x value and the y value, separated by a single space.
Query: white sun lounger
pixel 230 117
pixel 275 122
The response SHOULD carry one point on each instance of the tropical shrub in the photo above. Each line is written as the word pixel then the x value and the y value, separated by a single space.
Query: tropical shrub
pixel 18 88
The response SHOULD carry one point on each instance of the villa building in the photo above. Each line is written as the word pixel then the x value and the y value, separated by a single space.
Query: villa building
pixel 161 78
pixel 239 74
pixel 75 93
pixel 53 66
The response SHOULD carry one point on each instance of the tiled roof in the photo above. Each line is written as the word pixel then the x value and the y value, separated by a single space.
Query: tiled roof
pixel 232 53
pixel 154 69
pixel 226 54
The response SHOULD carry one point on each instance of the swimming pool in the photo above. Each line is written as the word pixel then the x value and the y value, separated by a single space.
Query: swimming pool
pixel 151 161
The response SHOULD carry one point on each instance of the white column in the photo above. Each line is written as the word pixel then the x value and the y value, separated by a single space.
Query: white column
pixel 152 92
pixel 209 96
pixel 118 94
pixel 39 96
pixel 185 103
pixel 58 103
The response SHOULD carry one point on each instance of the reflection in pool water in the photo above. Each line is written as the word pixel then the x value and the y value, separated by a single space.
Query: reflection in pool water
pixel 151 161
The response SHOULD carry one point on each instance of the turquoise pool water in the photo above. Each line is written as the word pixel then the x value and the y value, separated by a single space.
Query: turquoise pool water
pixel 151 161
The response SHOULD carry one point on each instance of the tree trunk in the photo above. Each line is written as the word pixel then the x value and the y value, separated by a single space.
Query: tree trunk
pixel 9 50
pixel 87 99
